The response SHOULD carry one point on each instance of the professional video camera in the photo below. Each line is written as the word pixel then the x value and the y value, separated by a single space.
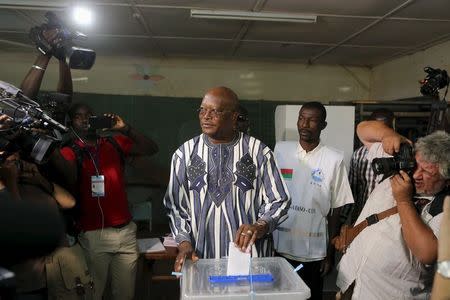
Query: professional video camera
pixel 388 166
pixel 64 49
pixel 56 105
pixel 31 131
pixel 435 80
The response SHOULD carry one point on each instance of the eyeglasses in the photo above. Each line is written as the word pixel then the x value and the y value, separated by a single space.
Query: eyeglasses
pixel 214 113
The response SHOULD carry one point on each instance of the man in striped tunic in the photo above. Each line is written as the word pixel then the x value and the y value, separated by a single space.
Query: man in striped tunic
pixel 224 187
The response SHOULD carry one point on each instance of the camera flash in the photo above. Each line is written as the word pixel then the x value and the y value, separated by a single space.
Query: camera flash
pixel 82 15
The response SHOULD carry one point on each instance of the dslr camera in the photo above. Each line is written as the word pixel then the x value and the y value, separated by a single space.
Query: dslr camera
pixel 63 49
pixel 435 80
pixel 388 166
pixel 30 130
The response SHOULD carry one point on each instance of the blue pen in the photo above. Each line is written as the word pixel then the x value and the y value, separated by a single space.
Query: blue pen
pixel 299 267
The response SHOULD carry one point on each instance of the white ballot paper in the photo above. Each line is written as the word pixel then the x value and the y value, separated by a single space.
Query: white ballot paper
pixel 238 262
pixel 150 245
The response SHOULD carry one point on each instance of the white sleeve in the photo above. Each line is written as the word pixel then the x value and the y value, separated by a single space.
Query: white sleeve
pixel 341 193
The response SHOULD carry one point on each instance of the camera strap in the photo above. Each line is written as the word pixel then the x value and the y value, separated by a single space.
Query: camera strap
pixel 79 152
pixel 349 233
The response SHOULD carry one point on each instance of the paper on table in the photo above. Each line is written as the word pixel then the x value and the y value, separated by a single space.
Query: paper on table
pixel 150 245
pixel 169 241
pixel 238 262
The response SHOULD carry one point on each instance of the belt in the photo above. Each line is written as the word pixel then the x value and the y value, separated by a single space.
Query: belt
pixel 121 225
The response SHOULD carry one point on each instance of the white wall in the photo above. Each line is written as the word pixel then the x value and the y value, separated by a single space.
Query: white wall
pixel 191 78
pixel 340 119
pixel 400 78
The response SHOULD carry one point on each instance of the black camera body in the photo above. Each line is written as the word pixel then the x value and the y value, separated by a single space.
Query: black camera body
pixel 100 122
pixel 56 105
pixel 403 160
pixel 32 145
pixel 434 81
pixel 76 57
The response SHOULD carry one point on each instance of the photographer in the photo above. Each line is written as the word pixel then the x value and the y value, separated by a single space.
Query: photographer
pixel 36 228
pixel 108 235
pixel 394 253
pixel 32 81
pixel 58 168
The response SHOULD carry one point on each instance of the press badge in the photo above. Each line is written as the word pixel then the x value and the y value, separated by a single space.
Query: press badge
pixel 98 186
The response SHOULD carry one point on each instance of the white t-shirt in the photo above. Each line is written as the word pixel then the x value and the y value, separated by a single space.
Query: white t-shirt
pixel 317 181
pixel 378 259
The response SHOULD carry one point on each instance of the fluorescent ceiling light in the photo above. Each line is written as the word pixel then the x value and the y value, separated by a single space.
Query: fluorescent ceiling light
pixel 82 15
pixel 253 16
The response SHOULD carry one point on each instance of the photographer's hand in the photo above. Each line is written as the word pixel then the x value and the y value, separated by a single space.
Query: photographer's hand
pixel 119 124
pixel 5 122
pixel 419 237
pixel 9 173
pixel 143 145
pixel 391 142
pixel 30 174
pixel 402 188
pixel 52 36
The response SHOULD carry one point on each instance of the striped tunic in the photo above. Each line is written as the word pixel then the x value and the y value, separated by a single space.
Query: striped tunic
pixel 362 180
pixel 215 188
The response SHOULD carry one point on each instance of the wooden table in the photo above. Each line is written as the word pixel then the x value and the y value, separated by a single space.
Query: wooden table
pixel 154 275
pixel 170 254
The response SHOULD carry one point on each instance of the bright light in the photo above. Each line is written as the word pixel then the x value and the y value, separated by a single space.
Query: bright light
pixel 82 16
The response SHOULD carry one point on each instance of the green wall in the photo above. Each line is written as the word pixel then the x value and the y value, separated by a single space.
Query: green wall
pixel 172 121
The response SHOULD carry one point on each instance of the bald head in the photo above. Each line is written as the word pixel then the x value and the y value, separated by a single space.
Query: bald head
pixel 229 98
pixel 218 114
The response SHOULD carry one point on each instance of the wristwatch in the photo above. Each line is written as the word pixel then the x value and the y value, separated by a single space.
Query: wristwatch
pixel 443 268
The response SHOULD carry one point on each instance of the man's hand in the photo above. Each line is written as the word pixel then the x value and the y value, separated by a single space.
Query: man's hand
pixel 5 122
pixel 185 251
pixel 247 234
pixel 326 265
pixel 402 187
pixel 119 123
pixel 391 142
pixel 9 171
pixel 52 36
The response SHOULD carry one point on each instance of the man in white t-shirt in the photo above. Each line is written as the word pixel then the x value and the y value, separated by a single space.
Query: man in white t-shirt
pixel 317 180
pixel 394 257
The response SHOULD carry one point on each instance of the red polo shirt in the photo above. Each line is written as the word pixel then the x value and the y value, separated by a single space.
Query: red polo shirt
pixel 114 205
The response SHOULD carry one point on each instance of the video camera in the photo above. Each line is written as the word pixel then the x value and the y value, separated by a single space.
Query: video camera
pixel 388 166
pixel 434 81
pixel 56 105
pixel 64 49
pixel 31 131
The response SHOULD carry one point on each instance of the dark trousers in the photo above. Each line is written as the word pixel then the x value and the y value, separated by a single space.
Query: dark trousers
pixel 310 273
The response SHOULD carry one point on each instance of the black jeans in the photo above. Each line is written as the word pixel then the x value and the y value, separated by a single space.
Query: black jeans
pixel 310 273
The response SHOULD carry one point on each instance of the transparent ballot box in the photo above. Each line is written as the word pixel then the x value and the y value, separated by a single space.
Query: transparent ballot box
pixel 284 283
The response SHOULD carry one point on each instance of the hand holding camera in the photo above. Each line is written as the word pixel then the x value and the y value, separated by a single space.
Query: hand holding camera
pixel 402 187
pixel 56 38
pixel 107 122
pixel 119 123
pixel 391 142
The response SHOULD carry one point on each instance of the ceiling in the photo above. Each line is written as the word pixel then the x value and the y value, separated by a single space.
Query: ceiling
pixel 348 32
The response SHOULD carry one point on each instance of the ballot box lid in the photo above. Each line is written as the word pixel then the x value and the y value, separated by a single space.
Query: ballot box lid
pixel 286 284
